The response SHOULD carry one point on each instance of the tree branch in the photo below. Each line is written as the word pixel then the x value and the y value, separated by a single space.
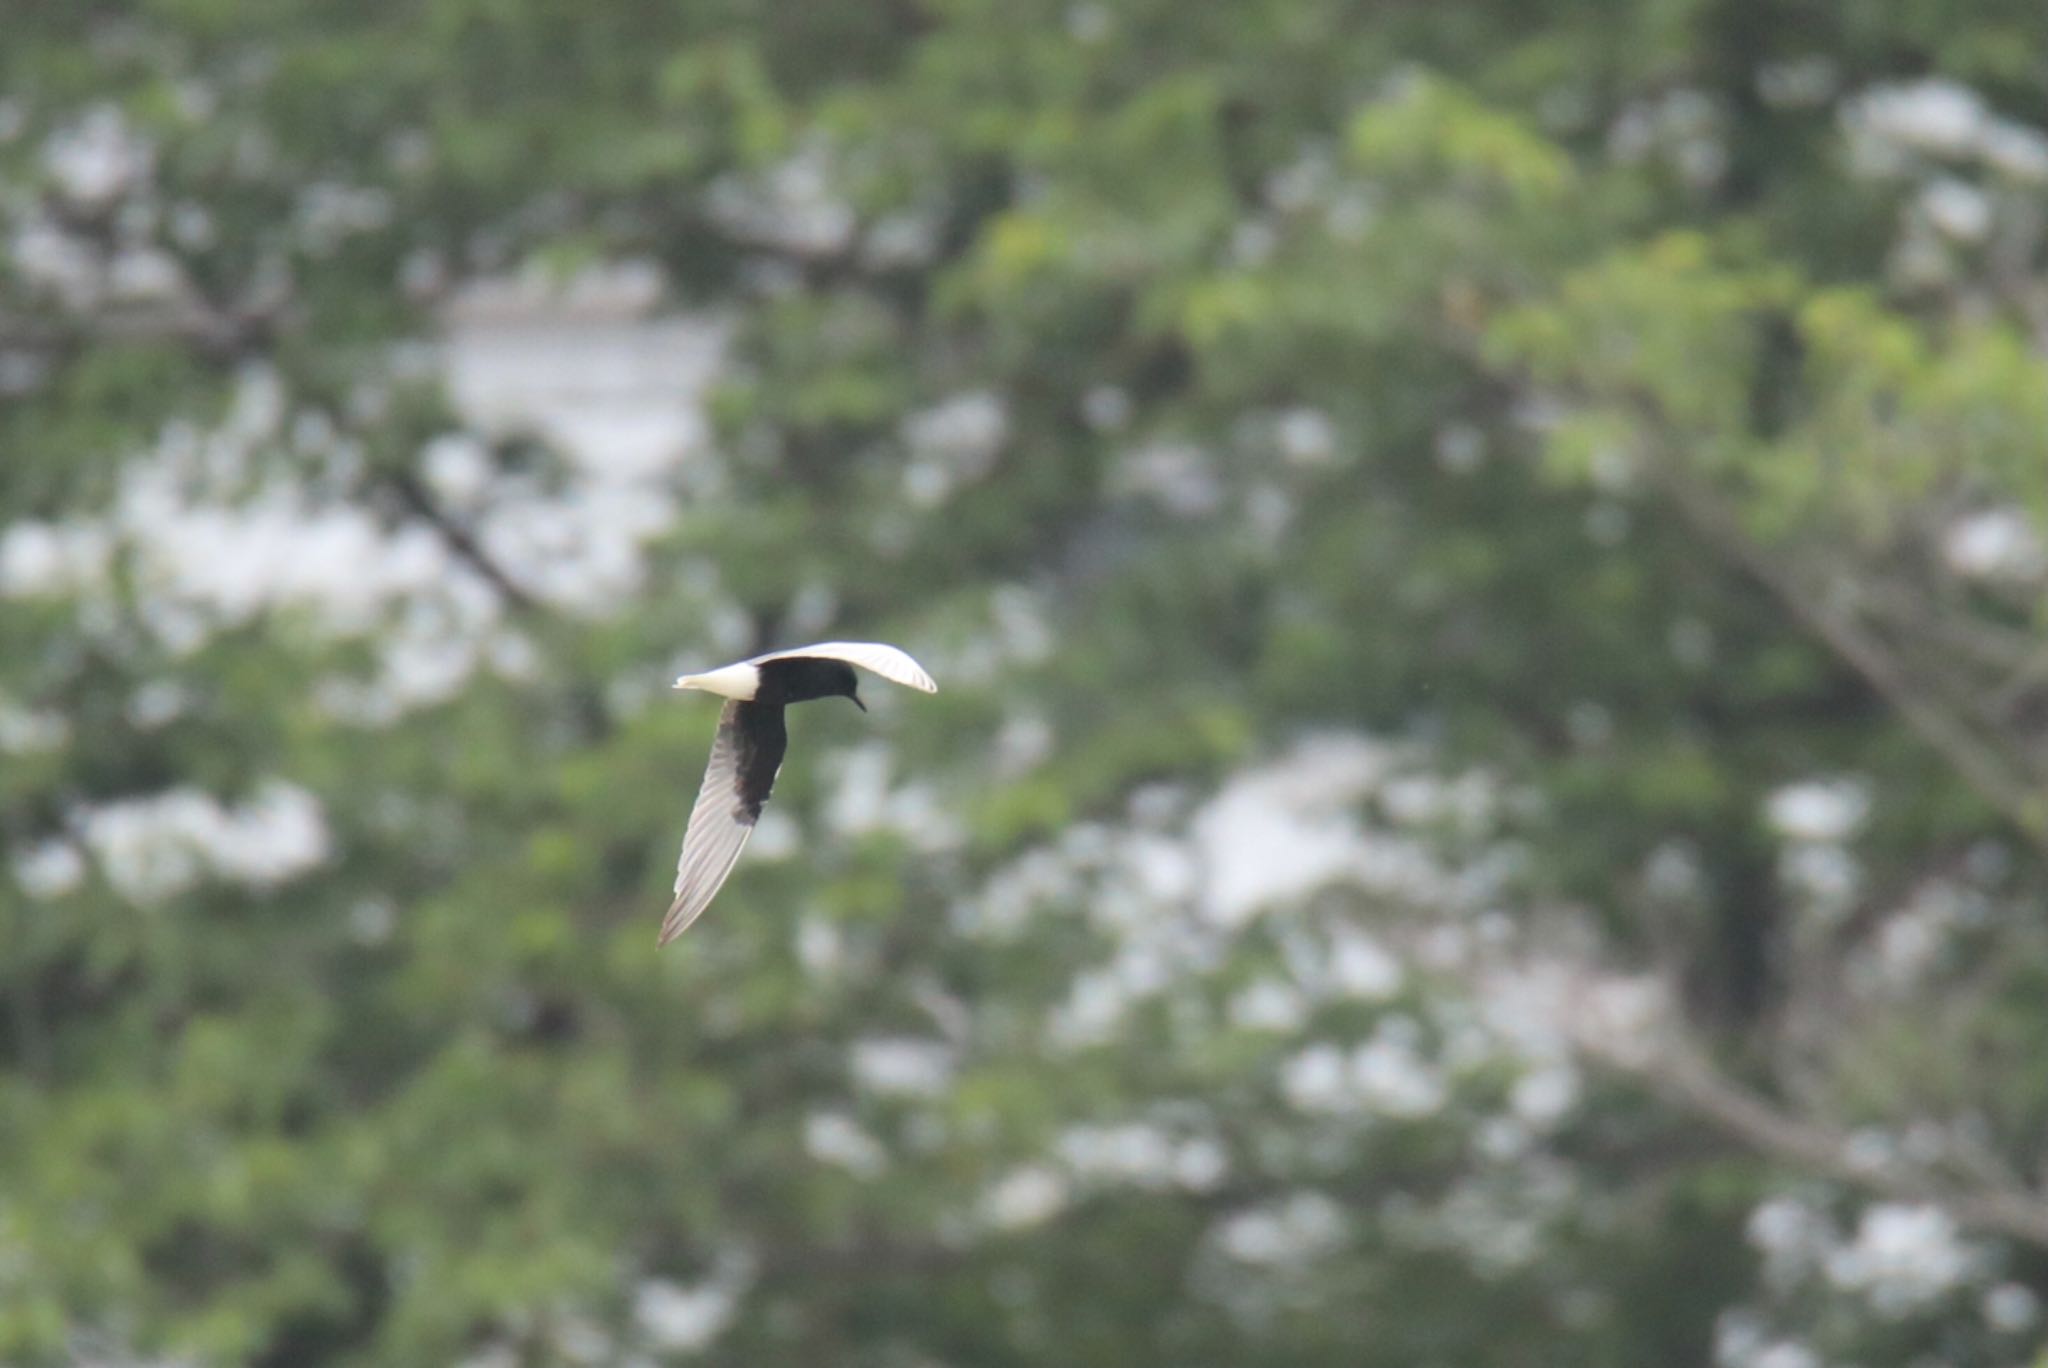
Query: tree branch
pixel 1980 765
pixel 466 548
pixel 1687 1080
pixel 215 332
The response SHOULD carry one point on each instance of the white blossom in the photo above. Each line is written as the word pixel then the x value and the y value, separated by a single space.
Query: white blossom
pixel 49 869
pixel 2011 1308
pixel 835 1138
pixel 793 206
pixel 1958 209
pixel 679 1318
pixel 1300 1227
pixel 1306 436
pixel 153 848
pixel 1269 1004
pixel 97 158
pixel 902 1065
pixel 1106 408
pixel 952 445
pixel 1996 544
pixel 1934 116
pixel 1392 1078
pixel 1902 1258
pixel 1819 810
pixel 1025 1197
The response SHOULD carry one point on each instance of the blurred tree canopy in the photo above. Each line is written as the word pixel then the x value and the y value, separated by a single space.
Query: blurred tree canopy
pixel 1489 796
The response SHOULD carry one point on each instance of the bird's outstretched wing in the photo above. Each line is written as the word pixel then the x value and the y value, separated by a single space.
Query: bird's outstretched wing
pixel 745 756
pixel 890 663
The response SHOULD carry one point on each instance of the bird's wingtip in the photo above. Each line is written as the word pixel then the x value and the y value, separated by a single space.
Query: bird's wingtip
pixel 674 923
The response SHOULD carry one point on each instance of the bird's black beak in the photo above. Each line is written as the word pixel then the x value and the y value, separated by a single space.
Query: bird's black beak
pixel 857 703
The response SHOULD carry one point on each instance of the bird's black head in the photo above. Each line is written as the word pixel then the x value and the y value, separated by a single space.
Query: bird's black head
pixel 797 678
pixel 837 679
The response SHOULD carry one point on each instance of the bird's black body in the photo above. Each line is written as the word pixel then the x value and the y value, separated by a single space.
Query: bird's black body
pixel 761 736
pixel 798 679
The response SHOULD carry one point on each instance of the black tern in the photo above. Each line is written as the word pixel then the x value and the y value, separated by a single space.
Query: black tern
pixel 748 749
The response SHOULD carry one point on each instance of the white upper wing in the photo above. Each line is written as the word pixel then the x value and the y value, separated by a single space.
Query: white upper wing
pixel 891 664
pixel 718 831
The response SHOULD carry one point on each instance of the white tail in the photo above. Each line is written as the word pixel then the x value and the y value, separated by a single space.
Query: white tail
pixel 732 681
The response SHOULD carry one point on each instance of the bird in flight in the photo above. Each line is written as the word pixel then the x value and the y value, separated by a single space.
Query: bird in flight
pixel 747 751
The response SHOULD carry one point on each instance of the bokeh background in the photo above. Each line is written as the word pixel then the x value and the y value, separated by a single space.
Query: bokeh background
pixel 1489 796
